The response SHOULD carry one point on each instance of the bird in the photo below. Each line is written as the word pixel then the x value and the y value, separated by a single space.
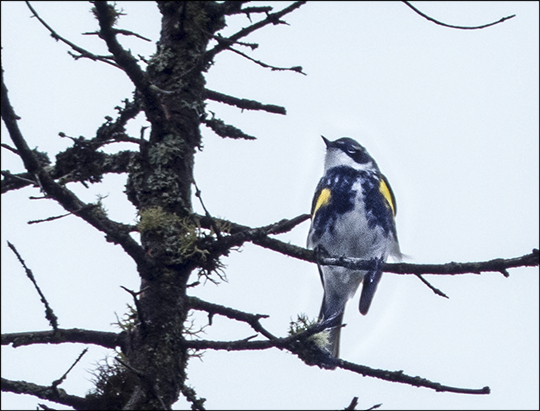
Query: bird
pixel 352 215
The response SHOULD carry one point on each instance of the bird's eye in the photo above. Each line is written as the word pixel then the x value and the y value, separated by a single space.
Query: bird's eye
pixel 351 150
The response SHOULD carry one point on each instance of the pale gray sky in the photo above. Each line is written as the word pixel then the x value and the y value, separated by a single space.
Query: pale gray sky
pixel 450 116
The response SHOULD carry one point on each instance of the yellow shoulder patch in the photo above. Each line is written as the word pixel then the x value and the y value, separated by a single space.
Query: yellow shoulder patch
pixel 322 200
pixel 385 191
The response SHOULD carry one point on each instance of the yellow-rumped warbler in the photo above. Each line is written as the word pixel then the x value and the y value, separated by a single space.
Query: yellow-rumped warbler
pixel 353 216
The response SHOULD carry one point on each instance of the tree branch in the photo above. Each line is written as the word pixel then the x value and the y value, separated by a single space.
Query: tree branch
pixel 153 108
pixel 119 31
pixel 240 234
pixel 235 9
pixel 46 393
pixel 59 381
pixel 297 69
pixel 272 18
pixel 431 287
pixel 299 344
pixel 497 265
pixel 457 27
pixel 116 163
pixel 259 236
pixel 400 377
pixel 49 314
pixel 243 103
pixel 114 231
pixel 61 336
pixel 290 343
pixel 67 169
pixel 83 52
pixel 225 130
pixel 212 309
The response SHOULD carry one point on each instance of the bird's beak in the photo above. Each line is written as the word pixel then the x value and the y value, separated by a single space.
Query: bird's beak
pixel 327 142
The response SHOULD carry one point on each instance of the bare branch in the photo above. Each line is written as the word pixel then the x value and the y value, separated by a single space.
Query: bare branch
pixel 225 130
pixel 49 314
pixel 115 130
pixel 497 265
pixel 108 163
pixel 115 232
pixel 61 336
pixel 286 225
pixel 457 27
pixel 399 376
pixel 59 381
pixel 259 236
pixel 272 18
pixel 191 396
pixel 8 147
pixel 392 376
pixel 52 218
pixel 431 287
pixel 206 212
pixel 119 31
pixel 45 393
pixel 16 181
pixel 290 343
pixel 220 39
pixel 353 404
pixel 140 310
pixel 297 69
pixel 243 103
pixel 248 10
pixel 240 234
pixel 83 52
pixel 212 309
pixel 238 345
pixel 314 356
pixel 128 63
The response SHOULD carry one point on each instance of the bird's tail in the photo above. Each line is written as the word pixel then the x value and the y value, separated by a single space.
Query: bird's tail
pixel 329 338
pixel 371 280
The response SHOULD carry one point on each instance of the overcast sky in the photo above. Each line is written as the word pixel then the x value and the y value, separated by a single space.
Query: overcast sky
pixel 451 116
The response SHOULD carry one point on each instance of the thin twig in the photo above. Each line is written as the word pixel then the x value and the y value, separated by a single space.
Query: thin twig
pixel 248 10
pixel 212 221
pixel 56 36
pixel 56 217
pixel 211 308
pixel 59 381
pixel 272 18
pixel 401 377
pixel 457 27
pixel 118 31
pixel 21 181
pixel 243 103
pixel 154 109
pixel 138 307
pixel 116 232
pixel 225 130
pixel 297 69
pixel 49 313
pixel 434 289
pixel 8 147
pixel 353 404
pixel 61 336
pixel 45 393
